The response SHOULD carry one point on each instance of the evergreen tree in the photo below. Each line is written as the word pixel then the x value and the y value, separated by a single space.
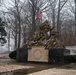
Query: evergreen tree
pixel 2 32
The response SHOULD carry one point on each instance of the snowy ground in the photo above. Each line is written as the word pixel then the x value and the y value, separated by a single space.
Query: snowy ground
pixel 7 65
pixel 55 71
pixel 13 67
pixel 4 55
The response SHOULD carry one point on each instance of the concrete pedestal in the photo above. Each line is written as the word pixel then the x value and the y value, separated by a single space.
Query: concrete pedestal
pixel 38 54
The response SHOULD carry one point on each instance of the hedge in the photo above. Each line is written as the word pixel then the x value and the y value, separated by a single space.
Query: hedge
pixel 70 59
pixel 13 54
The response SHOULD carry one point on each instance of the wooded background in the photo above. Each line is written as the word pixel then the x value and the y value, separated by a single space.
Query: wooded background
pixel 21 20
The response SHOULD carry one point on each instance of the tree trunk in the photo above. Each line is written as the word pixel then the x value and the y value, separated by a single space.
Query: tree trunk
pixel 33 20
pixel 53 18
pixel 19 27
pixel 24 35
pixel 9 41
pixel 75 21
pixel 58 18
pixel 19 36
pixel 15 47
pixel 16 34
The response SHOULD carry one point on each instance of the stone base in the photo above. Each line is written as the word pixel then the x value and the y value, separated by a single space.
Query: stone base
pixel 38 54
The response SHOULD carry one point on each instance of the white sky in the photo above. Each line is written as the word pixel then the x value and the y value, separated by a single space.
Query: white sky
pixel 8 3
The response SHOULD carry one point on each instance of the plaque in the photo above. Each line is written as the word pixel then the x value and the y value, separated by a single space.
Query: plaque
pixel 38 54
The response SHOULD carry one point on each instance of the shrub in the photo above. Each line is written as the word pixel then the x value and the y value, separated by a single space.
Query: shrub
pixel 13 54
pixel 70 59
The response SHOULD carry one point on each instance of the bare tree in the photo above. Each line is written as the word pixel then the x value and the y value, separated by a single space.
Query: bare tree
pixel 36 6
pixel 73 11
pixel 53 4
pixel 19 21
pixel 14 19
pixel 55 11
pixel 60 6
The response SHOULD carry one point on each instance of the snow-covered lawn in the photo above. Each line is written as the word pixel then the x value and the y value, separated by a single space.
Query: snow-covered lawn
pixel 55 71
